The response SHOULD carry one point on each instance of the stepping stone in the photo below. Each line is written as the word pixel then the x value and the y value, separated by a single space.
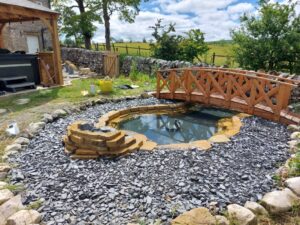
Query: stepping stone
pixel 222 220
pixel 22 101
pixel 4 167
pixel 219 138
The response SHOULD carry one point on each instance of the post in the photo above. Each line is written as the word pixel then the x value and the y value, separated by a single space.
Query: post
pixel 113 45
pixel 157 84
pixel 56 51
pixel 97 46
pixel 213 58
pixel 1 35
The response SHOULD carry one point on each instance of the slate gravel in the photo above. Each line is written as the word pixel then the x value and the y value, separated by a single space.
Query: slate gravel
pixel 147 185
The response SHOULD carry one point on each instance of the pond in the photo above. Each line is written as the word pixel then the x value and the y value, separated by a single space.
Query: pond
pixel 195 124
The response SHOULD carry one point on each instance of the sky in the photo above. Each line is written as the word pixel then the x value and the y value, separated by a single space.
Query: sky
pixel 216 18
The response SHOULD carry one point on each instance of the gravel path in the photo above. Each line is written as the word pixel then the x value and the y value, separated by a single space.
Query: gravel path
pixel 150 185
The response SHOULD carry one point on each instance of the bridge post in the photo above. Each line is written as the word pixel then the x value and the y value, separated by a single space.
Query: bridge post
pixel 172 85
pixel 157 84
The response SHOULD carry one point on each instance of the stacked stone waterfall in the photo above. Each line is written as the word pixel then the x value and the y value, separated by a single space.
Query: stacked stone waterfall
pixel 84 141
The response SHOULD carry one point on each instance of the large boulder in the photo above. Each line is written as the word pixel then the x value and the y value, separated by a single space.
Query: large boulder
pixel 9 208
pixel 294 185
pixel 279 201
pixel 195 217
pixel 24 217
pixel 256 208
pixel 5 195
pixel 241 215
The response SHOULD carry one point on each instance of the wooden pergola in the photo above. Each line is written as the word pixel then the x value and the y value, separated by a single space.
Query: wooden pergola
pixel 24 10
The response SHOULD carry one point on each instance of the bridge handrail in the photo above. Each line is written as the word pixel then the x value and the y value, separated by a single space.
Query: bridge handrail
pixel 262 76
pixel 253 94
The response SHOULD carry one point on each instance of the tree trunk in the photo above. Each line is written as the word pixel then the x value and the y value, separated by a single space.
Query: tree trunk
pixel 87 37
pixel 107 25
pixel 87 42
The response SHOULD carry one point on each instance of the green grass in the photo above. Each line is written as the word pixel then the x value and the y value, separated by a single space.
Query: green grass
pixel 225 49
pixel 73 93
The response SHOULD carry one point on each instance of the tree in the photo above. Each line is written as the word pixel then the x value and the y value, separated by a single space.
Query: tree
pixel 78 24
pixel 127 10
pixel 271 40
pixel 170 46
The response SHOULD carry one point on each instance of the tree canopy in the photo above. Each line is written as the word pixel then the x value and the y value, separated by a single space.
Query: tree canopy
pixel 269 40
pixel 170 46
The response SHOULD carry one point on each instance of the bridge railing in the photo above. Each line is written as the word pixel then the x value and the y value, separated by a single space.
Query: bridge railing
pixel 254 93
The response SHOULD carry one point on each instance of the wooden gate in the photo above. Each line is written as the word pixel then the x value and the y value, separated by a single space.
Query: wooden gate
pixel 111 65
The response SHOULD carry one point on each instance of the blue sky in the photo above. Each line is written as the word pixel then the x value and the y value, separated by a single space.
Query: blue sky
pixel 216 18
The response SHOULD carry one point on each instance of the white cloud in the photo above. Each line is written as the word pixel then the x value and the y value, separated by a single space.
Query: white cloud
pixel 214 17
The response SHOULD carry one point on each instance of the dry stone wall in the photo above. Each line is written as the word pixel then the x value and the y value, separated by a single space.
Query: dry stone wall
pixel 84 58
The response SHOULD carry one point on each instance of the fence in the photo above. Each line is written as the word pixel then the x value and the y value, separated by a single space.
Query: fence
pixel 125 49
pixel 214 59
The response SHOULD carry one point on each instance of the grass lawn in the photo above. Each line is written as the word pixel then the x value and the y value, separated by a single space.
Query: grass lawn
pixel 46 101
pixel 218 48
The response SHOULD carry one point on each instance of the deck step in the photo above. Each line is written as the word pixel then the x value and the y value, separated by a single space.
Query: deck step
pixel 6 79
pixel 15 87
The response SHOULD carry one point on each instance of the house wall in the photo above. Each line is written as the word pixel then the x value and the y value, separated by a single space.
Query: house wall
pixel 15 34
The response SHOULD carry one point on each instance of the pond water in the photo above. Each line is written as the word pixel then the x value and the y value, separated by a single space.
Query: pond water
pixel 196 124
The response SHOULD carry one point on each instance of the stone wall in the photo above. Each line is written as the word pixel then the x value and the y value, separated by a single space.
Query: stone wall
pixel 150 65
pixel 84 58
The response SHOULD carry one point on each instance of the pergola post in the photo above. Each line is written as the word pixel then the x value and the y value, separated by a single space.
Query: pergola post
pixel 56 51
pixel 1 35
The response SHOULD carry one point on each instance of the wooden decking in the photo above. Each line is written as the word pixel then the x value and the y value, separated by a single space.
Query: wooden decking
pixel 250 92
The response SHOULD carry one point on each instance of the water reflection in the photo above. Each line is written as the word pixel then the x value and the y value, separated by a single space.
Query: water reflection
pixel 176 128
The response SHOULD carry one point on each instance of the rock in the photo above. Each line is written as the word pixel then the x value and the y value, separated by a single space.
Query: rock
pixel 34 128
pixel 219 138
pixel 84 71
pixel 295 135
pixel 22 141
pixel 3 175
pixel 5 195
pixel 9 208
pixel 3 185
pixel 145 95
pixel 47 118
pixel 3 112
pixel 222 220
pixel 24 217
pixel 13 147
pixel 241 215
pixel 59 113
pixel 22 101
pixel 293 143
pixel 195 217
pixel 4 167
pixel 8 154
pixel 279 201
pixel 293 127
pixel 294 185
pixel 256 208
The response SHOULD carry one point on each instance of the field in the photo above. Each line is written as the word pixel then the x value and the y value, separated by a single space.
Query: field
pixel 143 49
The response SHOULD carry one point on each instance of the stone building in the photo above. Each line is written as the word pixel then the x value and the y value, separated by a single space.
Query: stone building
pixel 30 37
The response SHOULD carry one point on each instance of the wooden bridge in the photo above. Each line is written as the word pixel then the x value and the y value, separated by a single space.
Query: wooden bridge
pixel 250 92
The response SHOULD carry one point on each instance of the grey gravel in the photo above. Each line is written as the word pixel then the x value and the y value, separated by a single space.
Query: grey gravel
pixel 150 185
